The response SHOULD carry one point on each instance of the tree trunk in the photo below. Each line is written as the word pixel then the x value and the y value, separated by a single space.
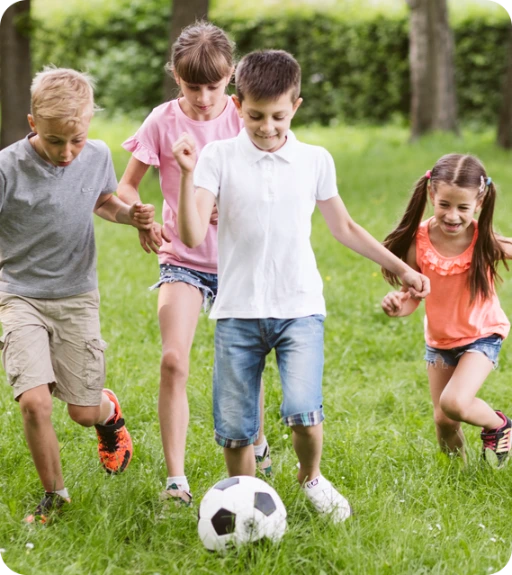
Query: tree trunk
pixel 184 12
pixel 431 59
pixel 505 119
pixel 15 79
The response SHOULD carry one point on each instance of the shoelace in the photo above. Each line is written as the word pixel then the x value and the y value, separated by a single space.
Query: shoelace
pixel 109 435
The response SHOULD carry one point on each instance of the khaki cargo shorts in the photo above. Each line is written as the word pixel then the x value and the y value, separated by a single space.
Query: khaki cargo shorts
pixel 54 342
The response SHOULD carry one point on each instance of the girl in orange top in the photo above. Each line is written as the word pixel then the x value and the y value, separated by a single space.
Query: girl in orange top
pixel 464 324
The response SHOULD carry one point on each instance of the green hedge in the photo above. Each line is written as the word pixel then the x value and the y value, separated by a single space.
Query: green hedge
pixel 352 71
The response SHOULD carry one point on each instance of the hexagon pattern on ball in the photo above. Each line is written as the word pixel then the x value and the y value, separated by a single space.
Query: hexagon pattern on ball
pixel 240 510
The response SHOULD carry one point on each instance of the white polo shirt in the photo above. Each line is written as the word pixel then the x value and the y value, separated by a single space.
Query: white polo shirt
pixel 266 264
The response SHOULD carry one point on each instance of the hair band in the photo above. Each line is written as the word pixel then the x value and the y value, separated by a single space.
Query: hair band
pixel 428 174
pixel 488 182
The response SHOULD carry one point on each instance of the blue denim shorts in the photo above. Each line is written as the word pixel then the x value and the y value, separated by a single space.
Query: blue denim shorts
pixel 490 346
pixel 241 346
pixel 205 282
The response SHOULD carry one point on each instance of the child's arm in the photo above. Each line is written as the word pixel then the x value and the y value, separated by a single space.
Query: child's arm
pixel 128 190
pixel 111 208
pixel 353 236
pixel 400 303
pixel 195 205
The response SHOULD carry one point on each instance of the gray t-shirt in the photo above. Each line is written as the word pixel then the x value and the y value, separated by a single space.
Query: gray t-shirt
pixel 47 247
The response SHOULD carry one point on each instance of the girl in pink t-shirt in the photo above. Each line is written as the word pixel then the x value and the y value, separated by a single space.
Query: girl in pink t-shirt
pixel 464 323
pixel 202 65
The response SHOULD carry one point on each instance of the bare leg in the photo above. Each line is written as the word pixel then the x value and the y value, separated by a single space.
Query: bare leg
pixel 179 305
pixel 448 431
pixel 459 401
pixel 308 442
pixel 36 409
pixel 261 433
pixel 240 460
pixel 87 416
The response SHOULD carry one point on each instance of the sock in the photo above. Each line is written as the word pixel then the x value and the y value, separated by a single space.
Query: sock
pixel 259 450
pixel 63 493
pixel 179 480
pixel 111 414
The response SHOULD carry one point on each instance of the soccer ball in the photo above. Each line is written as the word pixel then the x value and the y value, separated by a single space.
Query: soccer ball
pixel 240 510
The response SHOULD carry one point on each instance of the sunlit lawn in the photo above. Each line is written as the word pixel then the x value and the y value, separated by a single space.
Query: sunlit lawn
pixel 416 511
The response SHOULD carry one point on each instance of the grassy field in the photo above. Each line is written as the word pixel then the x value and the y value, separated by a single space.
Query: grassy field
pixel 417 512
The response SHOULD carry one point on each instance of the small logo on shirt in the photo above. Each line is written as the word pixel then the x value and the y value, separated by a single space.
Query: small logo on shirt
pixel 87 190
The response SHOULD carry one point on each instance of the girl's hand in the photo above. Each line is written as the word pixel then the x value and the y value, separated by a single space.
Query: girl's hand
pixel 142 215
pixel 151 240
pixel 417 284
pixel 184 150
pixel 214 218
pixel 393 302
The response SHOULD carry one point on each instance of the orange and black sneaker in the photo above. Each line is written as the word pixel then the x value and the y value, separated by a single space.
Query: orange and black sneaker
pixel 497 442
pixel 114 442
pixel 50 504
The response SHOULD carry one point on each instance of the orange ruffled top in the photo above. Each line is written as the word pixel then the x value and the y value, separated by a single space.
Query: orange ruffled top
pixel 450 320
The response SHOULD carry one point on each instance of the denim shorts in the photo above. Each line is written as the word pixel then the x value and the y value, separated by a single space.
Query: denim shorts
pixel 241 346
pixel 490 346
pixel 205 282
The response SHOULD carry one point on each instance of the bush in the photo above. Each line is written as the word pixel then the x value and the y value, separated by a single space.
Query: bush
pixel 354 71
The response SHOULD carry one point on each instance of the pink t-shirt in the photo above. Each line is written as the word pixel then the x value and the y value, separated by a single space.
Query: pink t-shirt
pixel 450 320
pixel 152 145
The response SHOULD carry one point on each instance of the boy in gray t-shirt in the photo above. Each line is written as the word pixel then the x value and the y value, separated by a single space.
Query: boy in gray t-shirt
pixel 51 182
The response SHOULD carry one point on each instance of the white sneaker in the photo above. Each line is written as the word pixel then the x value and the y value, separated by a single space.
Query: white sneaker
pixel 326 499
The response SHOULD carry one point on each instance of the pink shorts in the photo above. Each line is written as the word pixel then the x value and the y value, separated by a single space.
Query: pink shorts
pixel 55 342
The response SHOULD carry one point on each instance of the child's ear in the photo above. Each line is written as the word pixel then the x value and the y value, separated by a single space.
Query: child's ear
pixel 31 123
pixel 297 104
pixel 238 104
pixel 176 77
pixel 430 191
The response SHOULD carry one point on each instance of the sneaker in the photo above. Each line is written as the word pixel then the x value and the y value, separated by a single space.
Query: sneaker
pixel 326 499
pixel 498 441
pixel 114 442
pixel 264 463
pixel 50 503
pixel 179 496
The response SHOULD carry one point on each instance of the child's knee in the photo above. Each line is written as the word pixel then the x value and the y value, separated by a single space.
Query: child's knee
pixel 36 405
pixel 84 416
pixel 453 406
pixel 174 365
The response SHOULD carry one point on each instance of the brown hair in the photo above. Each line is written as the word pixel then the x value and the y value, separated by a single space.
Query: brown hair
pixel 62 93
pixel 203 54
pixel 267 75
pixel 463 171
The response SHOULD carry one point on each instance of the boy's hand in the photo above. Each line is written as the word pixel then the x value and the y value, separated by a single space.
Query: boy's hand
pixel 184 150
pixel 142 215
pixel 417 284
pixel 393 302
pixel 151 240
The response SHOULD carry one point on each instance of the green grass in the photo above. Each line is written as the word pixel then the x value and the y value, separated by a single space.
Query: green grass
pixel 417 512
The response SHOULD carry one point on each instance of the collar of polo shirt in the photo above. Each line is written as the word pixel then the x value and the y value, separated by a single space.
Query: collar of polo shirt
pixel 254 154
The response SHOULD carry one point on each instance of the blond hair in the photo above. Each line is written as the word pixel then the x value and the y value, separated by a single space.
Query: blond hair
pixel 62 93
pixel 203 54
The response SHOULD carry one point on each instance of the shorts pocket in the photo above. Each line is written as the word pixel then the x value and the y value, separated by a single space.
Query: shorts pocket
pixel 95 364
pixel 11 368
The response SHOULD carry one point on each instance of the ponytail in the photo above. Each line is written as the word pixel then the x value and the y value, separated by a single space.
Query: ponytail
pixel 400 239
pixel 483 273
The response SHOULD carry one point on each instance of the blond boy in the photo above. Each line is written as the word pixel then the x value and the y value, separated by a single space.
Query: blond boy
pixel 51 182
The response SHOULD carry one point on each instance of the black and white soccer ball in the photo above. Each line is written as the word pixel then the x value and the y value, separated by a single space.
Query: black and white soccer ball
pixel 240 510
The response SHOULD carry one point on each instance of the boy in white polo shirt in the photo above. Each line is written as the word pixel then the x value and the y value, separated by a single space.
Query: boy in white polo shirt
pixel 51 182
pixel 266 185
